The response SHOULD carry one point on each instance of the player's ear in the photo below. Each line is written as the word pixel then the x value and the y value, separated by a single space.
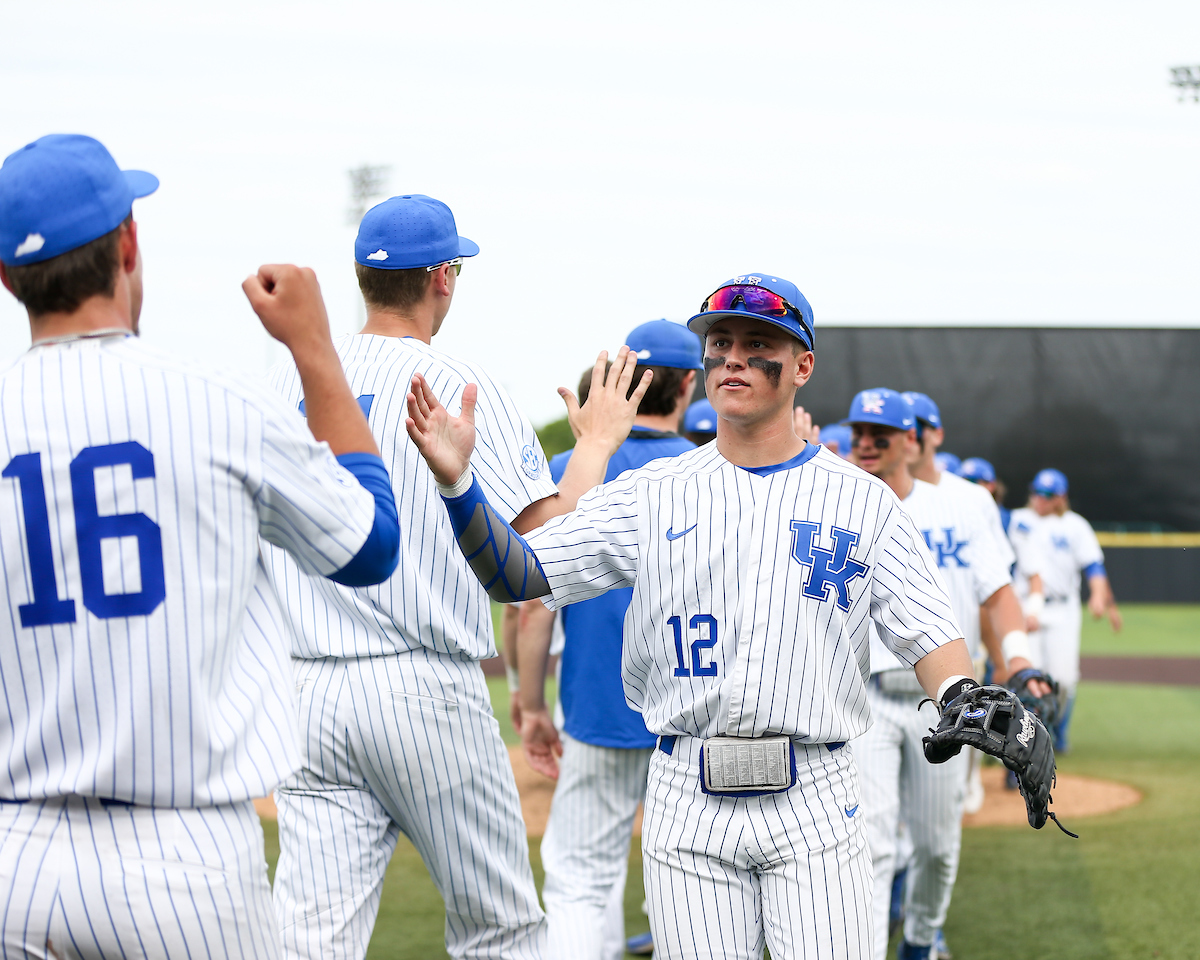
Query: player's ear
pixel 688 384
pixel 4 280
pixel 805 360
pixel 127 245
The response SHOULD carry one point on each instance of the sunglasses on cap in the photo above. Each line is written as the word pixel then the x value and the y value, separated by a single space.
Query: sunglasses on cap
pixel 754 299
pixel 456 263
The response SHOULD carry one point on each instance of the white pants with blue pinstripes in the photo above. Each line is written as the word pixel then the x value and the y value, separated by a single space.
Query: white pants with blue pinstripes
pixel 85 878
pixel 723 874
pixel 899 783
pixel 586 848
pixel 402 745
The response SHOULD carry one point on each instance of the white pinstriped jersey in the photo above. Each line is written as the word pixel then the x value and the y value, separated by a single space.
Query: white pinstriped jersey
pixel 962 547
pixel 752 594
pixel 1067 545
pixel 989 513
pixel 432 599
pixel 140 653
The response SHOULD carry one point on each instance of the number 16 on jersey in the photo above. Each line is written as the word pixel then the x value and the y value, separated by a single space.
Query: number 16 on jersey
pixel 91 529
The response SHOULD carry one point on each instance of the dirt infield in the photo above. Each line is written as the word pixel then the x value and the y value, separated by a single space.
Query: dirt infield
pixel 1181 671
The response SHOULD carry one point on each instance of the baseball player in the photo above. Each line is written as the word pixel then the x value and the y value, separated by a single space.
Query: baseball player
pixel 397 730
pixel 898 785
pixel 141 652
pixel 604 746
pixel 947 462
pixel 1069 547
pixel 1029 559
pixel 837 438
pixel 756 563
pixel 700 423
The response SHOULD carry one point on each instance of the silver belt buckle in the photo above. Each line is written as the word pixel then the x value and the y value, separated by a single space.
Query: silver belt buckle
pixel 747 767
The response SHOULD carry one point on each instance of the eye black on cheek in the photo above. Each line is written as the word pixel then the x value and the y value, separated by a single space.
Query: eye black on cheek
pixel 711 363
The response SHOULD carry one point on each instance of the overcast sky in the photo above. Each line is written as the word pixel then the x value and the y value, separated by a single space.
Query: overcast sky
pixel 940 162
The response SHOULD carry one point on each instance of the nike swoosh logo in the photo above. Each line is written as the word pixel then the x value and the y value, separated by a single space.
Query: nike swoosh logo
pixel 851 811
pixel 682 533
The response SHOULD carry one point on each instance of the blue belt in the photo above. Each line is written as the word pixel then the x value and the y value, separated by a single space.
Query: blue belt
pixel 667 745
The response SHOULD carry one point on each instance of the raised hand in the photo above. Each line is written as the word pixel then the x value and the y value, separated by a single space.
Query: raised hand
pixel 288 301
pixel 607 416
pixel 802 423
pixel 444 441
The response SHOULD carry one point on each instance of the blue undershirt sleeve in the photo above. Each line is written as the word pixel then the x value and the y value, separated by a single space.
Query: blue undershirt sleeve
pixel 1094 570
pixel 498 555
pixel 377 558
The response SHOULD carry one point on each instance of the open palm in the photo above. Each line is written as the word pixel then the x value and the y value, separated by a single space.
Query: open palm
pixel 444 441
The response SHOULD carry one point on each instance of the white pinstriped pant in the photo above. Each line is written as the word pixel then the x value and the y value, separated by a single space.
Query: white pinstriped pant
pixel 724 873
pixel 898 782
pixel 85 878
pixel 586 848
pixel 402 745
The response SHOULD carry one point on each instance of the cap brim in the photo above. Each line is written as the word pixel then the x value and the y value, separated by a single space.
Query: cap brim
pixel 873 418
pixel 140 182
pixel 467 248
pixel 700 323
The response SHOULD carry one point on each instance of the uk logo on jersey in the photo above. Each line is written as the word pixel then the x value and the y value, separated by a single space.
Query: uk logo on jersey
pixel 828 567
pixel 947 549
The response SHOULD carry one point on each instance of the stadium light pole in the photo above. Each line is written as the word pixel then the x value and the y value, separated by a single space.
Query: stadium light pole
pixel 368 185
pixel 1186 78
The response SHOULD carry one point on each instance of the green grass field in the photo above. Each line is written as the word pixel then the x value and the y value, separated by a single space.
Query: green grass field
pixel 1126 889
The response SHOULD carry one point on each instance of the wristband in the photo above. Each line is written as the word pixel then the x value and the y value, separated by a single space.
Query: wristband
pixel 1035 603
pixel 954 686
pixel 459 487
pixel 514 682
pixel 1016 644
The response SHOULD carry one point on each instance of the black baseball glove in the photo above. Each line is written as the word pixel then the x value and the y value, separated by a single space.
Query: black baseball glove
pixel 992 719
pixel 1044 708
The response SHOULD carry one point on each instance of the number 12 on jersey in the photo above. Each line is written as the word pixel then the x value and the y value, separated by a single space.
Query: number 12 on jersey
pixel 91 528
pixel 705 625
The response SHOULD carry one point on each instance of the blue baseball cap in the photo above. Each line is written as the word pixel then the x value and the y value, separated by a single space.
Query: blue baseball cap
pixel 771 299
pixel 977 470
pixel 840 434
pixel 925 409
pixel 947 462
pixel 60 192
pixel 407 232
pixel 883 406
pixel 1050 483
pixel 700 418
pixel 663 343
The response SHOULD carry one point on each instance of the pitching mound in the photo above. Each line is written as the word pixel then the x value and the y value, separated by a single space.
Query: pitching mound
pixel 1075 797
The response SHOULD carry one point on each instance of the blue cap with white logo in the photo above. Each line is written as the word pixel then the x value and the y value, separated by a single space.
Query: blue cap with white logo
pixel 840 434
pixel 947 463
pixel 1050 483
pixel 883 406
pixel 663 343
pixel 771 299
pixel 60 192
pixel 977 470
pixel 407 232
pixel 925 409
pixel 700 418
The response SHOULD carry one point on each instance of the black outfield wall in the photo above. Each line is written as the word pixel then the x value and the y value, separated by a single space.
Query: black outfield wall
pixel 1118 410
